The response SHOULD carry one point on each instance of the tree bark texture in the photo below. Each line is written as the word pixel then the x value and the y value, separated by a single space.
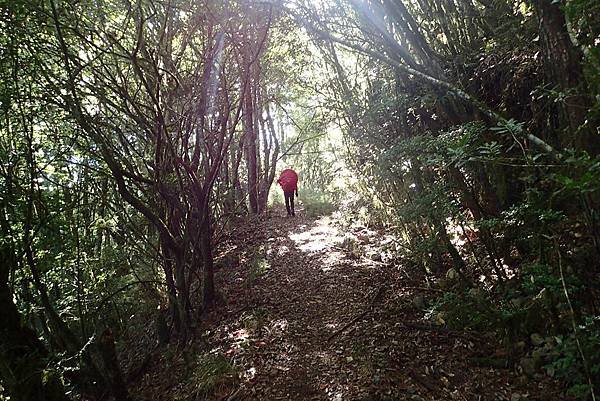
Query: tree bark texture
pixel 22 354
pixel 113 374
pixel 564 69
pixel 250 145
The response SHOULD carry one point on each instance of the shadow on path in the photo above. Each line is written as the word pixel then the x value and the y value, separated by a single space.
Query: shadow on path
pixel 308 319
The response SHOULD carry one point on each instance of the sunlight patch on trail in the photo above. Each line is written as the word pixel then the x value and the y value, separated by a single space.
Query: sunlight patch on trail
pixel 278 327
pixel 282 250
pixel 332 260
pixel 318 238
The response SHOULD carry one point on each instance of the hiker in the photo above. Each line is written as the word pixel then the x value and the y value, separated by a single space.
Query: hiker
pixel 289 183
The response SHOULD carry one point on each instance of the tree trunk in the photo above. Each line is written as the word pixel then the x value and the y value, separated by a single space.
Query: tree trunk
pixel 271 155
pixel 171 288
pixel 564 69
pixel 250 145
pixel 113 374
pixel 22 354
pixel 182 299
pixel 208 283
pixel 562 58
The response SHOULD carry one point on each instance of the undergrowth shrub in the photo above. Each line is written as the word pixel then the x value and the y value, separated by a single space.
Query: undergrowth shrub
pixel 518 228
pixel 255 319
pixel 465 310
pixel 565 360
pixel 316 203
pixel 259 265
pixel 212 373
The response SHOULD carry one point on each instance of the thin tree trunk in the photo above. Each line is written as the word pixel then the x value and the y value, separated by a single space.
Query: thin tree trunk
pixel 208 283
pixel 22 354
pixel 113 374
pixel 250 146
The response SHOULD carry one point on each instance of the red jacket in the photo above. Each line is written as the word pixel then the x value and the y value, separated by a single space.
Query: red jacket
pixel 288 180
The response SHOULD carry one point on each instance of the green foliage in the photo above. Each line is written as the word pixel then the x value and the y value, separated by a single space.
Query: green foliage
pixel 465 310
pixel 549 201
pixel 581 14
pixel 212 372
pixel 428 159
pixel 317 203
pixel 539 277
pixel 258 264
pixel 565 361
pixel 580 176
pixel 509 314
pixel 255 319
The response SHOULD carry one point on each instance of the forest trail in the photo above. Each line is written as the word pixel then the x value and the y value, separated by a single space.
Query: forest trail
pixel 313 319
pixel 311 313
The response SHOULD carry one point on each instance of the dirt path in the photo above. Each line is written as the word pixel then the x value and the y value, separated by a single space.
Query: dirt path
pixel 291 299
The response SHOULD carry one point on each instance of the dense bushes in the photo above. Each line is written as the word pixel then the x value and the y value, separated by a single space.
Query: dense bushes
pixel 499 188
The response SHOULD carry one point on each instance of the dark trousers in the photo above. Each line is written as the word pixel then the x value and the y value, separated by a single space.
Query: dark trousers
pixel 289 202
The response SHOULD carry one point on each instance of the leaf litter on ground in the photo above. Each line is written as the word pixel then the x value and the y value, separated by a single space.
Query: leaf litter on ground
pixel 314 310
